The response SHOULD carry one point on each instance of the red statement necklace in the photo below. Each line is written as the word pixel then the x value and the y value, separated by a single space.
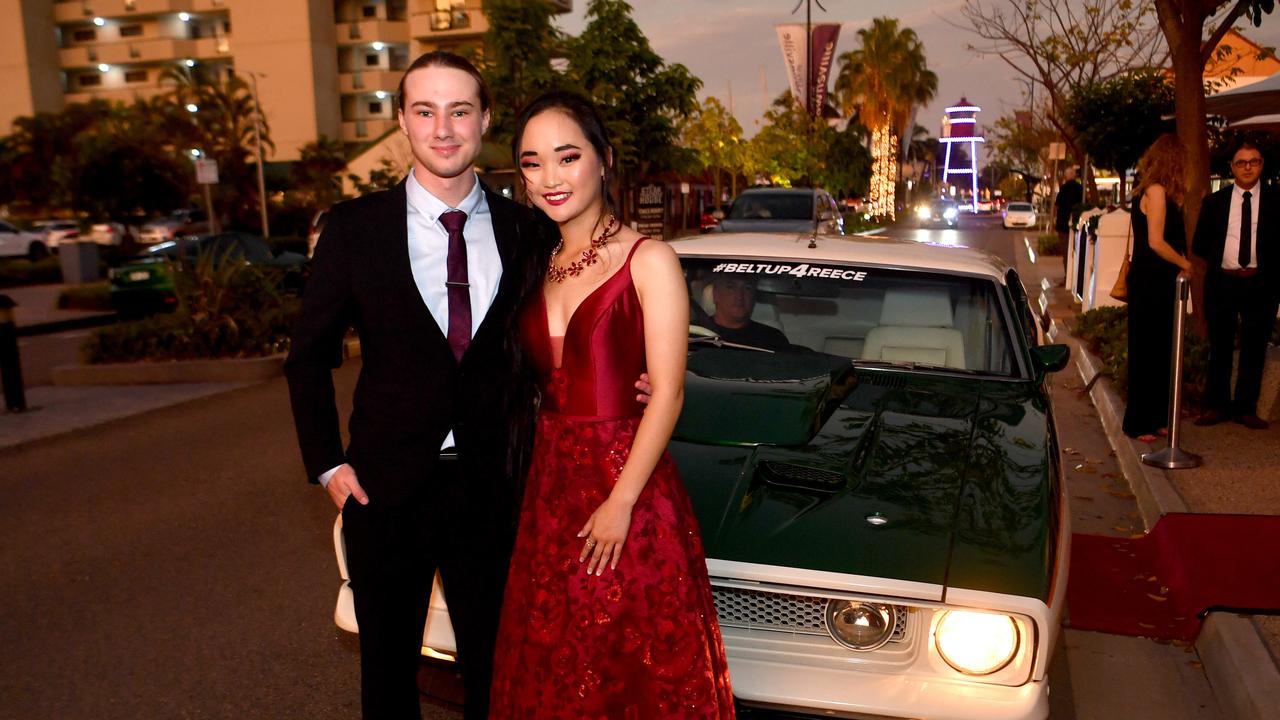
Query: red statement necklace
pixel 590 256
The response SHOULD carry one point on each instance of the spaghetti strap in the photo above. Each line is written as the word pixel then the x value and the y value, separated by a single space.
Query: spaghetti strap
pixel 633 248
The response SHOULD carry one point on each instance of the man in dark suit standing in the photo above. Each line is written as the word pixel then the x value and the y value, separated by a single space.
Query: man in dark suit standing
pixel 1238 236
pixel 431 274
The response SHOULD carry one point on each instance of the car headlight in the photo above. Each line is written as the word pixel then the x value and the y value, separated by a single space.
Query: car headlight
pixel 922 212
pixel 861 625
pixel 950 213
pixel 976 643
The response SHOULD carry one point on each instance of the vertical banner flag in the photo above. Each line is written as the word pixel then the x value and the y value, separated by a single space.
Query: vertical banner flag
pixel 824 51
pixel 791 39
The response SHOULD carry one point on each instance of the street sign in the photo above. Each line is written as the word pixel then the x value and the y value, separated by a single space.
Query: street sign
pixel 684 188
pixel 1057 151
pixel 207 172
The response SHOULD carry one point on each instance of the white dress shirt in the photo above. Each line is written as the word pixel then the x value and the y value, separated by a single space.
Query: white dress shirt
pixel 429 255
pixel 1231 248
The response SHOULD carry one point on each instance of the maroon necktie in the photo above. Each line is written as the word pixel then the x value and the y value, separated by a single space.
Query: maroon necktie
pixel 459 288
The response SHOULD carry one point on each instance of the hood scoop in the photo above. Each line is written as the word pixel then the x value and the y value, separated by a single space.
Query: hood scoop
pixel 801 477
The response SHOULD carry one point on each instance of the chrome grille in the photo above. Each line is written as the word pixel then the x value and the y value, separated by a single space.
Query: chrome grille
pixel 783 612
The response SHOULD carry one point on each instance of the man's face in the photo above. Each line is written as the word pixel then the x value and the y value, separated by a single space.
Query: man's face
pixel 1246 167
pixel 735 298
pixel 443 120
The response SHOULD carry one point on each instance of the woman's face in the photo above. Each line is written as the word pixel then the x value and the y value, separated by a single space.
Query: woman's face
pixel 562 170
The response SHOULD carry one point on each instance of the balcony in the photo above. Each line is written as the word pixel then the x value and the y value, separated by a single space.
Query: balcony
pixel 116 94
pixel 362 81
pixel 367 31
pixel 75 11
pixel 150 50
pixel 366 130
pixel 445 25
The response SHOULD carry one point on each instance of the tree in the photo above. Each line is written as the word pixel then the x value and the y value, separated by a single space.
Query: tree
pixel 1020 143
pixel 221 128
pixel 790 146
pixel 713 134
pixel 1061 46
pixel 1142 99
pixel 847 169
pixel 117 169
pixel 318 170
pixel 1182 23
pixel 519 47
pixel 884 79
pixel 41 142
pixel 641 97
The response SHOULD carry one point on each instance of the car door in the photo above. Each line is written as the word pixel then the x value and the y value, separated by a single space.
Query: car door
pixel 12 242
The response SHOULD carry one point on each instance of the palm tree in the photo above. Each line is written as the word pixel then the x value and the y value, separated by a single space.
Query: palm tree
pixel 883 81
pixel 215 114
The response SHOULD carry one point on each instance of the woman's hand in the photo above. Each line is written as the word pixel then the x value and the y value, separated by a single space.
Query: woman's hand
pixel 605 531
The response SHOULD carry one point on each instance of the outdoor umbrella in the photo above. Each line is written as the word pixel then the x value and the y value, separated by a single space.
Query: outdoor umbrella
pixel 1258 98
pixel 1265 123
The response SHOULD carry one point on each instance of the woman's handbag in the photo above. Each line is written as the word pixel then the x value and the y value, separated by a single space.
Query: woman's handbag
pixel 1120 291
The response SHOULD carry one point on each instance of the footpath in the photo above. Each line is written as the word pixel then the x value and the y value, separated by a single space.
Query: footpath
pixel 54 410
pixel 1240 474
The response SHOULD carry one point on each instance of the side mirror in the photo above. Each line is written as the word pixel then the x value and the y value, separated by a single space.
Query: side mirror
pixel 1050 358
pixel 717 214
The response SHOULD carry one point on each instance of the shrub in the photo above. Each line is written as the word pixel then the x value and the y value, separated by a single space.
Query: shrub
pixel 225 310
pixel 1105 332
pixel 24 272
pixel 93 296
pixel 1049 244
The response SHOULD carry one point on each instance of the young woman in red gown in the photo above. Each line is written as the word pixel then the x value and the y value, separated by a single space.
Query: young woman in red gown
pixel 608 610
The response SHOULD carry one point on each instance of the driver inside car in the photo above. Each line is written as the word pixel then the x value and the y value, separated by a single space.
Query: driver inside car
pixel 734 297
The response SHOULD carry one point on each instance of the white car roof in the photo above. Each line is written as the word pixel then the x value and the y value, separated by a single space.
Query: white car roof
pixel 850 249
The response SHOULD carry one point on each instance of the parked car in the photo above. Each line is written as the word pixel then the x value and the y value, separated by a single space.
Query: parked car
pixel 881 502
pixel 1019 214
pixel 53 232
pixel 712 216
pixel 21 243
pixel 801 210
pixel 178 223
pixel 939 212
pixel 109 233
pixel 146 284
pixel 986 206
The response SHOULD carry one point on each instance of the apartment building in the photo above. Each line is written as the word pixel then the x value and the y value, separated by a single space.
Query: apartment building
pixel 323 67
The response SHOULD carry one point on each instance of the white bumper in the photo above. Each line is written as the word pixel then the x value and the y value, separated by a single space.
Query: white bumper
pixel 842 694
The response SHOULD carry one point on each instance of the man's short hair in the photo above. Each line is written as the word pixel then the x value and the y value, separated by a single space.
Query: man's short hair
pixel 442 58
pixel 1244 144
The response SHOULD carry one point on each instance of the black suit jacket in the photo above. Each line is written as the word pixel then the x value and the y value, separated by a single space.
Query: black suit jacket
pixel 1211 229
pixel 411 391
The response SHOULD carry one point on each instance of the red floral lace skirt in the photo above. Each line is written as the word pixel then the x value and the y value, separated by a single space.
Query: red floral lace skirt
pixel 640 642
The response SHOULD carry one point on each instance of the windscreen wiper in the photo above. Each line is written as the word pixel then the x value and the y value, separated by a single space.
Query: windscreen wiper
pixel 911 365
pixel 717 341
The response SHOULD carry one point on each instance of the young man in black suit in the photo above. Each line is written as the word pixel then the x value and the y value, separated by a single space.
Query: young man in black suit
pixel 1238 236
pixel 431 274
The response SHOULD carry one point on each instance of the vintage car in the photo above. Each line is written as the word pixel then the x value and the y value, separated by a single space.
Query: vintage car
pixel 881 500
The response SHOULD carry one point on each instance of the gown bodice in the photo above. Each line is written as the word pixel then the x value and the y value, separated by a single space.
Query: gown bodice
pixel 603 351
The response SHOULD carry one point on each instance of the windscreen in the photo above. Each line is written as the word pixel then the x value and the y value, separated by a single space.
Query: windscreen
pixel 923 320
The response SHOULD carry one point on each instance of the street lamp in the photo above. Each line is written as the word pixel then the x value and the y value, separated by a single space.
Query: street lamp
pixel 257 143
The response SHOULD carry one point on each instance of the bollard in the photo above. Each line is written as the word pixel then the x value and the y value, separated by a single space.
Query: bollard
pixel 15 399
pixel 1173 457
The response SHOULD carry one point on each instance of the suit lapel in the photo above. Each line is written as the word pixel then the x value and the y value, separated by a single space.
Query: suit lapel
pixel 506 233
pixel 398 216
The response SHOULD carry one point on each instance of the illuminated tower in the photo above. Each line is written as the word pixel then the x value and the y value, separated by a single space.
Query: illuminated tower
pixel 960 125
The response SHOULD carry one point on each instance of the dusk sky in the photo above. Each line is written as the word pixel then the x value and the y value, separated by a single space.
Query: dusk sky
pixel 730 42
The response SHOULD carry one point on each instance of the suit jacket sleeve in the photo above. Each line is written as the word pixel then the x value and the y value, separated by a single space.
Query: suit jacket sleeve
pixel 316 349
pixel 1208 225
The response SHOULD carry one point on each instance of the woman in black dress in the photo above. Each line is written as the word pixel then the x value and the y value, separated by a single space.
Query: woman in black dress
pixel 1159 255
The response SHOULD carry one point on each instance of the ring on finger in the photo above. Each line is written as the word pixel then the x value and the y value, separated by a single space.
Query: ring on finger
pixel 591 543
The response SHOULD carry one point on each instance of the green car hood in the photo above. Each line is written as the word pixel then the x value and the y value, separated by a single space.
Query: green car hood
pixel 954 471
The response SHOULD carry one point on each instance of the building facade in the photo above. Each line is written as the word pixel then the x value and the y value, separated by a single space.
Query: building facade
pixel 323 67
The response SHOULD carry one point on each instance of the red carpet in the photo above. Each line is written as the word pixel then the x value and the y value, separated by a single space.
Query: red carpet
pixel 1162 584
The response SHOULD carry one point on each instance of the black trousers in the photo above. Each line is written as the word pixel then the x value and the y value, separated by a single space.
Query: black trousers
pixel 1247 303
pixel 461 525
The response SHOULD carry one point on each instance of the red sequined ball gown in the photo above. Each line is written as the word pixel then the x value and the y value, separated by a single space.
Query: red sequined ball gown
pixel 636 643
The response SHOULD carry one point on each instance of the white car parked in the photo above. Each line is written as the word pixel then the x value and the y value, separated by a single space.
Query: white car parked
pixel 53 232
pixel 1019 214
pixel 20 243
